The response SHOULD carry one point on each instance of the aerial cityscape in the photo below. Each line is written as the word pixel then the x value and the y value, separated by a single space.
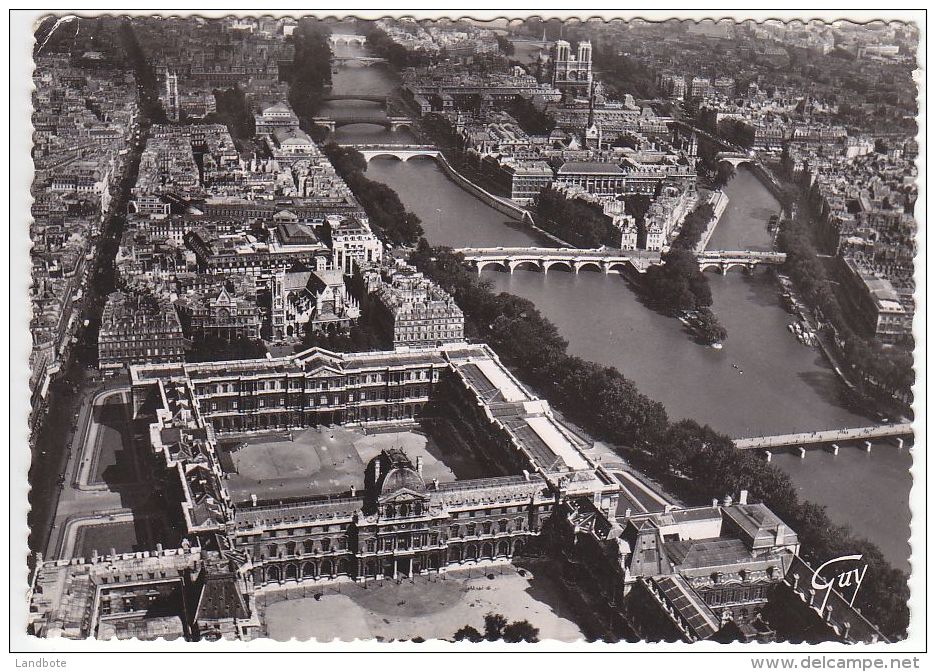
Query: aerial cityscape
pixel 522 331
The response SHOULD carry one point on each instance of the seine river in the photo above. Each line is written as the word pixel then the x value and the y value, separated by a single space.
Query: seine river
pixel 763 381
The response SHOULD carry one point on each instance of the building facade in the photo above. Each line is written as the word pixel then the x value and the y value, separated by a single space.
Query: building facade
pixel 139 329
pixel 572 73
pixel 413 311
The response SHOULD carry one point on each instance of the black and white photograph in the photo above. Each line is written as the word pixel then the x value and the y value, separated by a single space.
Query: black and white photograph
pixel 454 332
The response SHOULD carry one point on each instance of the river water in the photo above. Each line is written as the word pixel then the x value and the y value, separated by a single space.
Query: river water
pixel 763 381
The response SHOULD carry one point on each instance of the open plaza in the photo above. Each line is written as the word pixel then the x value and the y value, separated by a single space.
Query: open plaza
pixel 434 609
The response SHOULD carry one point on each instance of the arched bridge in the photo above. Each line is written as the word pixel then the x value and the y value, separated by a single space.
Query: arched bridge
pixel 606 259
pixel 343 38
pixel 571 259
pixel 725 260
pixel 355 96
pixel 735 158
pixel 392 123
pixel 899 431
pixel 401 152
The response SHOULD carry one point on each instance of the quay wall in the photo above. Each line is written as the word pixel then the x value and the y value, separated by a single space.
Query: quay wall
pixel 768 180
pixel 502 205
pixel 719 201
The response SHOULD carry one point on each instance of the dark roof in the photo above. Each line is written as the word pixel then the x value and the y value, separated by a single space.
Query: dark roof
pixel 400 478
pixel 594 167
pixel 690 606
pixel 705 553
pixel 220 598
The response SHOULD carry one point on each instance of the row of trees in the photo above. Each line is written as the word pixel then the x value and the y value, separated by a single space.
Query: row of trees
pixel 233 111
pixel 311 70
pixel 532 119
pixel 678 286
pixel 877 370
pixel 694 226
pixel 356 338
pixel 396 54
pixel 692 459
pixel 387 215
pixel 579 223
pixel 497 628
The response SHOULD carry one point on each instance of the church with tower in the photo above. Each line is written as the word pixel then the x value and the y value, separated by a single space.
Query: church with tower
pixel 572 73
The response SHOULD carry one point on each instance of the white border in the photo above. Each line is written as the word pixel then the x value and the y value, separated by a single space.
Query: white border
pixel 20 31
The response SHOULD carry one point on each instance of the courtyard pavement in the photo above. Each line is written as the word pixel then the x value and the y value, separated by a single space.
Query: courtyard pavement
pixel 428 607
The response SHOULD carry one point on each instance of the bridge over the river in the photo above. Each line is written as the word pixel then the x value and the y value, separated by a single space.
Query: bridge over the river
pixel 725 260
pixel 347 38
pixel 735 158
pixel 392 123
pixel 606 259
pixel 897 431
pixel 401 152
pixel 571 258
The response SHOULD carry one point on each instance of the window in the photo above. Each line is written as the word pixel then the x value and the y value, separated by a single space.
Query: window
pixel 370 545
pixel 326 545
pixel 454 530
pixel 471 529
pixel 502 526
pixel 487 527
pixel 389 511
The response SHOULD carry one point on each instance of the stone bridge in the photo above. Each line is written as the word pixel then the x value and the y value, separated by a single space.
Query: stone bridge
pixel 392 123
pixel 735 158
pixel 606 260
pixel 832 437
pixel 725 260
pixel 401 152
pixel 343 38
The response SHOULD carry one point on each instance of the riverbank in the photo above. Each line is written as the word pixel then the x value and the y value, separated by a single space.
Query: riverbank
pixel 499 203
pixel 783 386
pixel 719 202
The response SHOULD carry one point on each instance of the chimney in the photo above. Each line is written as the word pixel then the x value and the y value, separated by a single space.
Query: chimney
pixel 435 483
pixel 742 498
pixel 714 502
pixel 526 474
pixel 253 500
pixel 419 464
pixel 781 533
pixel 353 491
pixel 727 500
